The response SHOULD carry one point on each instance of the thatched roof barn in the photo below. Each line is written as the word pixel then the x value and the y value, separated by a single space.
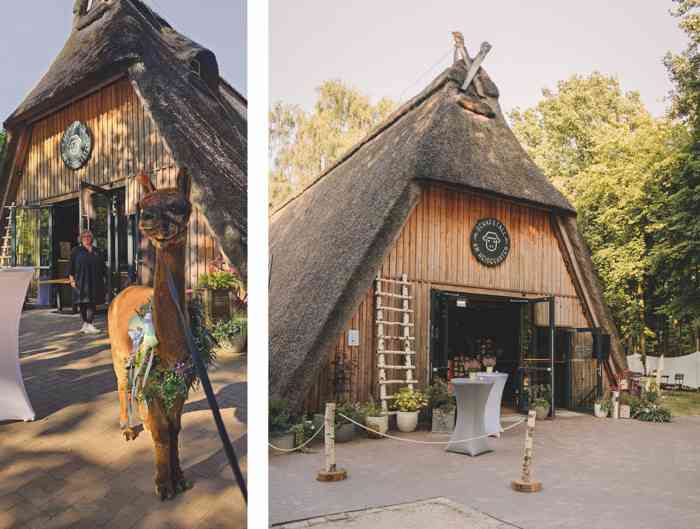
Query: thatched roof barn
pixel 328 243
pixel 198 117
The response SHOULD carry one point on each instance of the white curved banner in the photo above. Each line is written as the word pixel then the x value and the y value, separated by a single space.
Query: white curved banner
pixel 14 402
pixel 688 365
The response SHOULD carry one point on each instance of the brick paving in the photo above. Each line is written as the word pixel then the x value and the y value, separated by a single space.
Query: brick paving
pixel 596 473
pixel 71 468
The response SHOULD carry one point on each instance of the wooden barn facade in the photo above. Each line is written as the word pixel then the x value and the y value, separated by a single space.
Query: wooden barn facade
pixel 434 239
pixel 127 94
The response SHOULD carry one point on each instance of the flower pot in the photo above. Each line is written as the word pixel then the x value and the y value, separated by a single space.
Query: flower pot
pixel 625 411
pixel 379 423
pixel 318 420
pixel 472 375
pixel 541 412
pixel 284 441
pixel 443 421
pixel 407 421
pixel 489 369
pixel 599 412
pixel 344 433
pixel 234 345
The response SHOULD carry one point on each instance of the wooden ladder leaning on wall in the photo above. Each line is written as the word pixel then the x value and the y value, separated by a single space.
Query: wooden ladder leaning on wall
pixel 6 248
pixel 401 346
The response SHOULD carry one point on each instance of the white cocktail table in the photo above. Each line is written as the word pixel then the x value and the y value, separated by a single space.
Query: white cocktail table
pixel 14 402
pixel 471 395
pixel 492 417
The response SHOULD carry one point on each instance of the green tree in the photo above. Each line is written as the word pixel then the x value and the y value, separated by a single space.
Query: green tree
pixel 675 258
pixel 604 151
pixel 303 145
pixel 3 139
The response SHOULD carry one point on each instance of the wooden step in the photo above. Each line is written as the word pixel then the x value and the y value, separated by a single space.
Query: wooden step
pixel 394 281
pixel 381 322
pixel 395 352
pixel 394 309
pixel 397 337
pixel 386 294
pixel 398 382
pixel 395 367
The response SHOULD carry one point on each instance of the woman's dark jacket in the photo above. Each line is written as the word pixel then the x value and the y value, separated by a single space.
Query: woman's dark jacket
pixel 88 270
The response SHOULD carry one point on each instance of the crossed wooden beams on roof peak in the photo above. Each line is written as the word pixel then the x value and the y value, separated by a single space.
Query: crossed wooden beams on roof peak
pixel 473 65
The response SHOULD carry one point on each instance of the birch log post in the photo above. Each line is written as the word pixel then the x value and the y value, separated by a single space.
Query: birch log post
pixel 330 472
pixel 526 483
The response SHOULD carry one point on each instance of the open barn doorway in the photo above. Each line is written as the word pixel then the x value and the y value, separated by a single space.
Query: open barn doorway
pixel 467 325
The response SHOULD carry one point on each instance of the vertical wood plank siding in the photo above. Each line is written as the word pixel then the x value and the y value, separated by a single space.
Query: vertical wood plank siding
pixel 433 249
pixel 126 141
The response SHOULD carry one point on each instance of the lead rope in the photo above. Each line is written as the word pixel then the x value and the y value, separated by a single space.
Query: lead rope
pixel 206 384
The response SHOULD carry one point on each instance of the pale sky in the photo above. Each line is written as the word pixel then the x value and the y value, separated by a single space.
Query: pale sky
pixel 33 33
pixel 384 47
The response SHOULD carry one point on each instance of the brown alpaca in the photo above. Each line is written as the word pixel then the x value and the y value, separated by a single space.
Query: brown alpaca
pixel 164 217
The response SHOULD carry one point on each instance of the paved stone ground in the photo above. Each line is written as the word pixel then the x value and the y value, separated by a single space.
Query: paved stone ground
pixel 71 468
pixel 597 473
pixel 437 512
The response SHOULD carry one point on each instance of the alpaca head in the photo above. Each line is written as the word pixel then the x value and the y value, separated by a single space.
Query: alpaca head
pixel 164 213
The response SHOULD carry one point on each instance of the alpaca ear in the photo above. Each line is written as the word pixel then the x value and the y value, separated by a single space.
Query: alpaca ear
pixel 146 183
pixel 184 182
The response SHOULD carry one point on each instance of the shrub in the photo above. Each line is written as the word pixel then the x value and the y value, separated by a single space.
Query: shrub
pixel 279 418
pixel 438 396
pixel 410 400
pixel 652 412
pixel 351 410
pixel 220 280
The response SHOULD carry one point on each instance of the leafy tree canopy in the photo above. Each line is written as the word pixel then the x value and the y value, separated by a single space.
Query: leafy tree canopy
pixel 303 144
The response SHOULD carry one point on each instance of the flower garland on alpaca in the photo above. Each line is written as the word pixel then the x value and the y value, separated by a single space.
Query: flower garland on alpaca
pixel 148 379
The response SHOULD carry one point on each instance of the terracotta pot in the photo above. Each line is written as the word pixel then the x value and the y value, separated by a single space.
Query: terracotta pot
pixel 379 423
pixel 407 421
pixel 285 441
pixel 344 433
pixel 443 421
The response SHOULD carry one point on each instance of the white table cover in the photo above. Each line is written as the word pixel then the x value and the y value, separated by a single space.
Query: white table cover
pixel 492 416
pixel 471 401
pixel 14 402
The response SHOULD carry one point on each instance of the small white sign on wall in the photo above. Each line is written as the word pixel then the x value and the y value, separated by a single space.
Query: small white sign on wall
pixel 354 337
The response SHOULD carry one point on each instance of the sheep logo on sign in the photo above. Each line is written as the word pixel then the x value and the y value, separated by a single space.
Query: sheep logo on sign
pixel 76 145
pixel 490 242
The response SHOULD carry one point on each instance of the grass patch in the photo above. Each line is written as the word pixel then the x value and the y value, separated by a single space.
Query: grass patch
pixel 682 402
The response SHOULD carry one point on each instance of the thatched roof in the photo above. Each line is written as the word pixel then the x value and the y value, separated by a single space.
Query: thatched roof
pixel 327 243
pixel 202 119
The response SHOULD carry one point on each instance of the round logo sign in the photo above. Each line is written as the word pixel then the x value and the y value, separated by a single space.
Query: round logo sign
pixel 490 242
pixel 76 145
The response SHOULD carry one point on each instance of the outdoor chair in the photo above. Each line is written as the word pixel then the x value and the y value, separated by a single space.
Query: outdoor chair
pixel 679 379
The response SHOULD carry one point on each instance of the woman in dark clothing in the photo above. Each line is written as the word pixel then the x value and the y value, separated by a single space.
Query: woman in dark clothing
pixel 86 274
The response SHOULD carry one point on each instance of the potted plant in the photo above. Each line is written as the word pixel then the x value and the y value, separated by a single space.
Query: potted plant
pixel 303 431
pixel 442 405
pixel 489 362
pixel 375 419
pixel 408 403
pixel 279 426
pixel 601 408
pixel 344 429
pixel 222 290
pixel 473 366
pixel 231 334
pixel 626 405
pixel 541 407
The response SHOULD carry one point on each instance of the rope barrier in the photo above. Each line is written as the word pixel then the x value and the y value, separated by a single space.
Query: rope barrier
pixel 298 447
pixel 521 421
